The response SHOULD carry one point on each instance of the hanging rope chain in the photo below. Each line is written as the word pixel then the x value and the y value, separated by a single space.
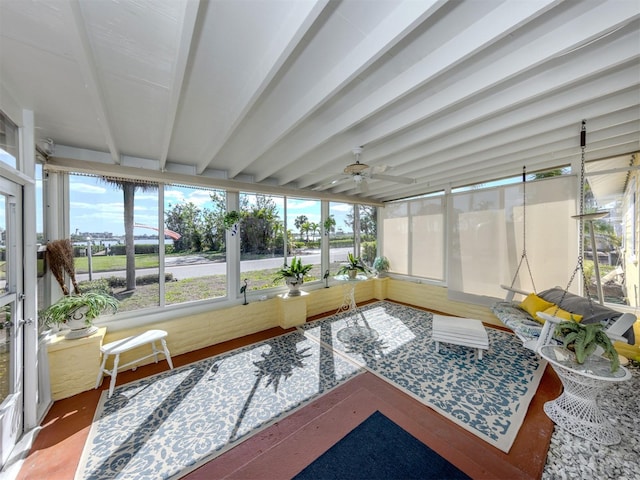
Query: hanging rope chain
pixel 580 265
pixel 524 257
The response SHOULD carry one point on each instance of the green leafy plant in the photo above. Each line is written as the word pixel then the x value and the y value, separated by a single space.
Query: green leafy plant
pixel 584 339
pixel 297 269
pixel 381 264
pixel 63 309
pixel 231 218
pixel 354 263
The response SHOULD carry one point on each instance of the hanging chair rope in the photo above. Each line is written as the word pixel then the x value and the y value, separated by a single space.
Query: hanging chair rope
pixel 580 264
pixel 523 257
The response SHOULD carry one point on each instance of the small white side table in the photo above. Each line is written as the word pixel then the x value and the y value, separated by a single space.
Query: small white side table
pixel 576 410
pixel 348 288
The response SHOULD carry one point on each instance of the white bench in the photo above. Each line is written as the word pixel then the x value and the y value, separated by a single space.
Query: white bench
pixel 129 343
pixel 460 331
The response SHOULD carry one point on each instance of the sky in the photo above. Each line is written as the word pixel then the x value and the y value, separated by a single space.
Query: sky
pixel 98 207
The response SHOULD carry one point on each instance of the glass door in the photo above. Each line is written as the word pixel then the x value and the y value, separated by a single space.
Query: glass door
pixel 11 345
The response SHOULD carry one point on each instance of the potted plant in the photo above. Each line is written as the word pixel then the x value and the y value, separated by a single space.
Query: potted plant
pixel 381 266
pixel 583 340
pixel 78 311
pixel 353 266
pixel 231 220
pixel 293 275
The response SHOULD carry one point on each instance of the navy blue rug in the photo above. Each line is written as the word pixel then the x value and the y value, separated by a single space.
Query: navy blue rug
pixel 380 449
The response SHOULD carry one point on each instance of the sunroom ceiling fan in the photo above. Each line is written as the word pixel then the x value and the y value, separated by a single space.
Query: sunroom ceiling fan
pixel 359 173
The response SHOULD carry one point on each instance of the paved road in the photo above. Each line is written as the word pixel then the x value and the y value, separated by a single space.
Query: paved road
pixel 195 266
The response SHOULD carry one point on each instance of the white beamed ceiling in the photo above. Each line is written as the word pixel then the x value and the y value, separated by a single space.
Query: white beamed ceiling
pixel 279 92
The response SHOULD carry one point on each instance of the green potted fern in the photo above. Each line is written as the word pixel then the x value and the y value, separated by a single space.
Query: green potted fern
pixel 583 340
pixel 293 275
pixel 353 267
pixel 77 312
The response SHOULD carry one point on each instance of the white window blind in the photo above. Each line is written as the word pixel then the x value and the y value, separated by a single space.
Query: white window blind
pixel 413 237
pixel 486 239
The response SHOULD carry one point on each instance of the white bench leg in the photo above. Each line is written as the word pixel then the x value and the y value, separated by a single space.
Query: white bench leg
pixel 479 354
pixel 101 372
pixel 114 374
pixel 437 346
pixel 167 355
pixel 155 351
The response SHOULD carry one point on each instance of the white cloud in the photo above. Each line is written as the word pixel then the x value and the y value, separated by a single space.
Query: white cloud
pixel 341 207
pixel 81 187
pixel 293 204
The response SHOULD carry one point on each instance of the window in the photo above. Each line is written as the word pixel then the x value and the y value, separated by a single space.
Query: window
pixel 40 237
pixel 367 230
pixel 262 237
pixel 8 142
pixel 341 236
pixel 304 231
pixel 195 263
pixel 178 240
pixel 414 237
pixel 114 232
pixel 486 238
pixel 427 237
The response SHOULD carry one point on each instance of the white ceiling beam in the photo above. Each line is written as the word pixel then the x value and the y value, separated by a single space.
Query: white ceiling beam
pixel 603 120
pixel 303 17
pixel 509 162
pixel 82 53
pixel 188 23
pixel 619 134
pixel 535 162
pixel 556 108
pixel 542 162
pixel 537 138
pixel 485 32
pixel 450 131
pixel 393 29
pixel 536 88
pixel 591 24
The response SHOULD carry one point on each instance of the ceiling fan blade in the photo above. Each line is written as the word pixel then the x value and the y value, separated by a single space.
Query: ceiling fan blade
pixel 378 169
pixel 393 178
pixel 333 183
pixel 362 186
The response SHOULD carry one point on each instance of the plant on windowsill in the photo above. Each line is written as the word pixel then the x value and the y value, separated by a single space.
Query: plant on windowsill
pixel 293 275
pixel 353 266
pixel 77 312
pixel 583 340
pixel 381 266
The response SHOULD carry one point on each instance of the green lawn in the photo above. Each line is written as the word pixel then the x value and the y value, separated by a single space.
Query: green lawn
pixel 200 288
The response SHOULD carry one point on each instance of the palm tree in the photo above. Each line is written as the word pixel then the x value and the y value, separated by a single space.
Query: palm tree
pixel 299 221
pixel 129 188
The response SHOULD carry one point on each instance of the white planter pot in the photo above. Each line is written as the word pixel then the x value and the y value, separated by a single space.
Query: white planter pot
pixel 294 284
pixel 78 327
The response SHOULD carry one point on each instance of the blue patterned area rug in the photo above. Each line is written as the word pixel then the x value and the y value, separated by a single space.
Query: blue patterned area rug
pixel 166 425
pixel 487 397
pixel 378 449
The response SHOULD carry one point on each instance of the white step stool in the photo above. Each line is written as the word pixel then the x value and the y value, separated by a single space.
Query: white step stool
pixel 129 343
pixel 460 331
